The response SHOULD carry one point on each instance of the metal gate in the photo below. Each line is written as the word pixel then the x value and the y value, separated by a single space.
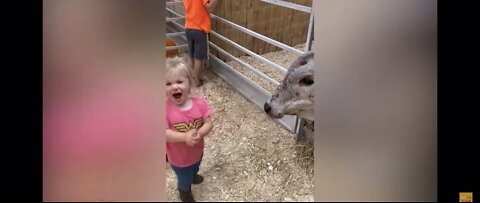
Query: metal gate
pixel 249 89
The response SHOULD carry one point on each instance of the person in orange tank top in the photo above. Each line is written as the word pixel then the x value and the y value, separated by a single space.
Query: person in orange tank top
pixel 197 27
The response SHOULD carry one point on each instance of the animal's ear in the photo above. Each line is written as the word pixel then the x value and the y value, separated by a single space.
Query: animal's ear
pixel 306 81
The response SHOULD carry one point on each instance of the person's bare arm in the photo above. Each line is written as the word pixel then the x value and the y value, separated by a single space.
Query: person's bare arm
pixel 174 136
pixel 210 5
pixel 206 128
pixel 188 137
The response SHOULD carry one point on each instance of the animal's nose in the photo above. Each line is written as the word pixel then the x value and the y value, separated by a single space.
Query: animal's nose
pixel 266 107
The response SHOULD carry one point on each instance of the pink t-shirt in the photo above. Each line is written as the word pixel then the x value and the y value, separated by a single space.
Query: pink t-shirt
pixel 179 153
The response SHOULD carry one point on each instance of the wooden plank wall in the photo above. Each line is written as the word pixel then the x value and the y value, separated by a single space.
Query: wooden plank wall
pixel 282 24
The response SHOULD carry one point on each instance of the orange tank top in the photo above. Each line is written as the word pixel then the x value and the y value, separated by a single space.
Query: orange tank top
pixel 196 15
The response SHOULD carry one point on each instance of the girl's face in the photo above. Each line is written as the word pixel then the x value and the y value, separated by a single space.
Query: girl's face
pixel 178 88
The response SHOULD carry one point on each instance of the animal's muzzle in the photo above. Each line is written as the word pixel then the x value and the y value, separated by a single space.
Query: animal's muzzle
pixel 266 107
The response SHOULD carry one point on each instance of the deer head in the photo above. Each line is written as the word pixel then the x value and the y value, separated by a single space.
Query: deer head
pixel 294 96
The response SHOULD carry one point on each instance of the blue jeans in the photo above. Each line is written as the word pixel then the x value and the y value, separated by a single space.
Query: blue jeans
pixel 185 175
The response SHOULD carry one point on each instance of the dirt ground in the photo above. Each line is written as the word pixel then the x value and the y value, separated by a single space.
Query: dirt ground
pixel 248 156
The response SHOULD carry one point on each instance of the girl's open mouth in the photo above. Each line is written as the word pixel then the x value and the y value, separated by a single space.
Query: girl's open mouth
pixel 177 95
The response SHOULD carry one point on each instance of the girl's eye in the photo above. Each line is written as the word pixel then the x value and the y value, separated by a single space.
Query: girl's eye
pixel 168 84
pixel 179 82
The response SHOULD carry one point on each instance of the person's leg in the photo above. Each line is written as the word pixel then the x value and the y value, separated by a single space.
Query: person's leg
pixel 197 179
pixel 197 165
pixel 184 182
pixel 191 48
pixel 197 72
pixel 199 55
pixel 191 65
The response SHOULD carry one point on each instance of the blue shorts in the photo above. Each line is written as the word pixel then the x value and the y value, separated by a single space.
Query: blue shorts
pixel 197 44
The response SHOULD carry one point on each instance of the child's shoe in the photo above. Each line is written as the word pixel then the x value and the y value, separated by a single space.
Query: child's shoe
pixel 186 196
pixel 197 179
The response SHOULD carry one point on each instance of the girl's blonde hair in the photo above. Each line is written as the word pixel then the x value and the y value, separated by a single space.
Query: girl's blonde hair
pixel 178 65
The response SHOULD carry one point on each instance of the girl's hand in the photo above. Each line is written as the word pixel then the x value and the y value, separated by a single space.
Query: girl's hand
pixel 192 137
pixel 197 137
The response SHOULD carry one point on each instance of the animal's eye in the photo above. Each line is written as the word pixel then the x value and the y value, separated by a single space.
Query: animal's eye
pixel 306 81
pixel 303 63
